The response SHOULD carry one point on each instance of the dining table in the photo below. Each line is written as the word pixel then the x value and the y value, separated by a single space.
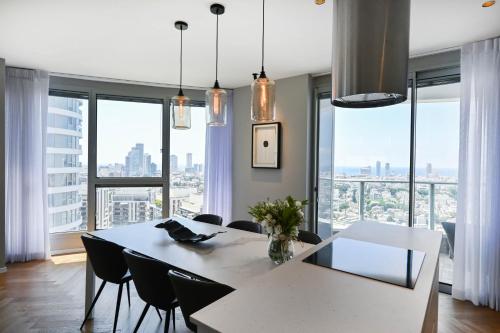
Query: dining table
pixel 233 257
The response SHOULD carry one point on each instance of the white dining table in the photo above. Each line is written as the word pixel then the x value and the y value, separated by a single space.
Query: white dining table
pixel 232 258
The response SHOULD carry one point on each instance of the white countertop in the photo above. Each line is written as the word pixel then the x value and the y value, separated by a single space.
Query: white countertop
pixel 231 258
pixel 300 297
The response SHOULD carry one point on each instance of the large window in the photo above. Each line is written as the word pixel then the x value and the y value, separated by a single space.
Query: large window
pixel 187 159
pixel 437 141
pixel 364 162
pixel 129 138
pixel 114 141
pixel 67 133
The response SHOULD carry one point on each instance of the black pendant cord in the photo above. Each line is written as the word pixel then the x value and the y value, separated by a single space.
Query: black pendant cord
pixel 217 51
pixel 180 74
pixel 263 29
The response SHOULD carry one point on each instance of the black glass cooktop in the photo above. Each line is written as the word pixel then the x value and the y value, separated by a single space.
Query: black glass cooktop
pixel 385 263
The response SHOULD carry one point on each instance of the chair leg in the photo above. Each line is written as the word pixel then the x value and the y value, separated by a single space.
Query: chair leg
pixel 118 300
pixel 128 293
pixel 167 321
pixel 141 318
pixel 159 314
pixel 173 317
pixel 93 303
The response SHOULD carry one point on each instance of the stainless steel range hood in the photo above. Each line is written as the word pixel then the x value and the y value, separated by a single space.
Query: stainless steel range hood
pixel 370 52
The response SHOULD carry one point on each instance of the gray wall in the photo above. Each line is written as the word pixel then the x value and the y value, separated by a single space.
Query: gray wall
pixel 292 110
pixel 2 164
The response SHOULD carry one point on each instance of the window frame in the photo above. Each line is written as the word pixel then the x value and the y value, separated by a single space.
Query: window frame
pixel 70 242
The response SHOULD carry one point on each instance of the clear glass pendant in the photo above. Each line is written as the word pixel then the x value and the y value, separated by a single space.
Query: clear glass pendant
pixel 216 106
pixel 181 111
pixel 263 99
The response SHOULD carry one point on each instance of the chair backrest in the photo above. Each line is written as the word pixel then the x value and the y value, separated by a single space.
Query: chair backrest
pixel 106 258
pixel 209 218
pixel 151 279
pixel 309 237
pixel 194 294
pixel 246 225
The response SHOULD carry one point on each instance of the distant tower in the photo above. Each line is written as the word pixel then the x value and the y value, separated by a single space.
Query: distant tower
pixel 174 163
pixel 387 169
pixel 189 161
pixel 147 165
pixel 379 167
pixel 428 170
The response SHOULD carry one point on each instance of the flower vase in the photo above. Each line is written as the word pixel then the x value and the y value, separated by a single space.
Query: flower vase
pixel 280 250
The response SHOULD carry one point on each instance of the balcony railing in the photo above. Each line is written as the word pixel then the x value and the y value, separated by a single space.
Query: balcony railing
pixel 362 191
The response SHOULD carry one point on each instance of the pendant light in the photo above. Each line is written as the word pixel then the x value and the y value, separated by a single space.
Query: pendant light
pixel 263 89
pixel 370 52
pixel 216 98
pixel 181 105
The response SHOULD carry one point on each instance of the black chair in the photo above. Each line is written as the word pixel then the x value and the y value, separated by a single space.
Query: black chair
pixel 309 237
pixel 246 225
pixel 107 261
pixel 209 218
pixel 153 285
pixel 194 294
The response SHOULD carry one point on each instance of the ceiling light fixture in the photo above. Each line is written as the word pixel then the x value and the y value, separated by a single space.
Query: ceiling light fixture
pixel 180 104
pixel 487 4
pixel 263 88
pixel 370 52
pixel 216 98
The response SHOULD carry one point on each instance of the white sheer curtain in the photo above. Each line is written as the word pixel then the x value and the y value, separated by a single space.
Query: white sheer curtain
pixel 26 229
pixel 217 195
pixel 477 242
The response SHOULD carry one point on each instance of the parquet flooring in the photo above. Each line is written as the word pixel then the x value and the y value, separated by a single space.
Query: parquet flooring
pixel 48 296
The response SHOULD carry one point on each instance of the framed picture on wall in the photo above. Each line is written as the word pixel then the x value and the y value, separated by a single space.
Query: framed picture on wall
pixel 266 145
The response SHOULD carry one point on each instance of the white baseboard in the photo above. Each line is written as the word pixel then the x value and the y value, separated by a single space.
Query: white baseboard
pixel 3 269
pixel 67 251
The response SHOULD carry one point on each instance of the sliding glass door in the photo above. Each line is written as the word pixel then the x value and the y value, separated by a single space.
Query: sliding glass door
pixel 364 164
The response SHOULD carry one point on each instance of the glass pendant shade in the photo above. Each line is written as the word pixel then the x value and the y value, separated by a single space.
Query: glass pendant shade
pixel 216 106
pixel 263 99
pixel 181 112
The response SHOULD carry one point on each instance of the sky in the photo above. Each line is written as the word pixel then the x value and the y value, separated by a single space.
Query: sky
pixel 364 136
pixel 120 125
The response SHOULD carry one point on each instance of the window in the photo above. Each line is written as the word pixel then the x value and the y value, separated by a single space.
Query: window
pixel 187 159
pixel 67 132
pixel 119 206
pixel 437 142
pixel 368 177
pixel 370 165
pixel 129 138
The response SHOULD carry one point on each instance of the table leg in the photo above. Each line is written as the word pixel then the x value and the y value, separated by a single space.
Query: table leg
pixel 89 287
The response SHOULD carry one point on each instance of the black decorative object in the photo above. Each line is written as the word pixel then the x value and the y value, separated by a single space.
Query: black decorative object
pixel 182 234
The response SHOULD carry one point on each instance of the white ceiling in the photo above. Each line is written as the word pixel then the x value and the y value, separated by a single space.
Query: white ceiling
pixel 136 39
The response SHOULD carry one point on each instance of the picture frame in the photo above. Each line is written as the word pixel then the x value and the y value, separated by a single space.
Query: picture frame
pixel 266 146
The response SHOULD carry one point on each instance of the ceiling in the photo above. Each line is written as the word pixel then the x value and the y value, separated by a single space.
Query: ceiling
pixel 136 39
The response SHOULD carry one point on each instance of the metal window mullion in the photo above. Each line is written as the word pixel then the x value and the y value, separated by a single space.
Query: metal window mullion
pixel 129 182
pixel 165 158
pixel 413 131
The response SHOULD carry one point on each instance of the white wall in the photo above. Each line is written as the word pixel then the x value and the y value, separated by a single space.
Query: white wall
pixel 292 110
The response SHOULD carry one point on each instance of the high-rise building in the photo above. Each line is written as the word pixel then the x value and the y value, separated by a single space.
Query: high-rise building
pixel 379 167
pixel 174 163
pixel 189 161
pixel 134 161
pixel 387 169
pixel 147 165
pixel 64 132
pixel 428 170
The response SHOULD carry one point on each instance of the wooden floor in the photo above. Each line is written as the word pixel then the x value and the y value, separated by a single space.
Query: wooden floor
pixel 48 296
